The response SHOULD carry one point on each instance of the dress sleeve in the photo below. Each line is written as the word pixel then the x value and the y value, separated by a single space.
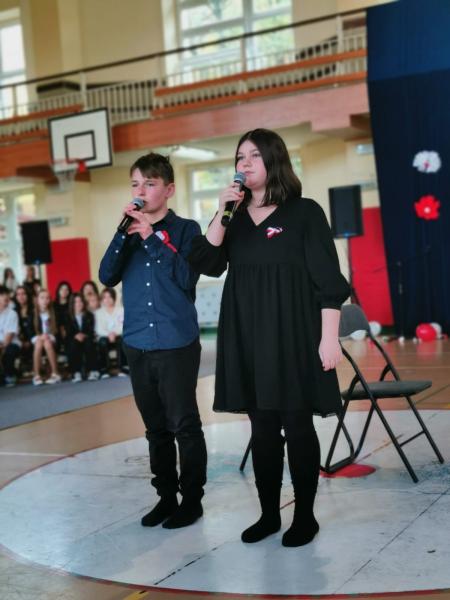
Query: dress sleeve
pixel 206 258
pixel 322 260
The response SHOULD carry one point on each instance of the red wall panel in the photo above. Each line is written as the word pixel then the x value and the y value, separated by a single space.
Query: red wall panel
pixel 370 278
pixel 70 263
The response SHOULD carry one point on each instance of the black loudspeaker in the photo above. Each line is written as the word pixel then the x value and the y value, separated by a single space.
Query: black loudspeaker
pixel 345 211
pixel 36 242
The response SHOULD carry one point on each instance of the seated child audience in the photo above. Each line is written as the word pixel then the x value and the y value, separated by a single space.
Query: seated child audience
pixel 108 327
pixel 61 306
pixel 44 337
pixel 24 308
pixel 80 339
pixel 9 338
pixel 9 280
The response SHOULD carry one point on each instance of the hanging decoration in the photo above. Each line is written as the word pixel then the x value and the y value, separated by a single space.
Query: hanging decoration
pixel 427 207
pixel 427 161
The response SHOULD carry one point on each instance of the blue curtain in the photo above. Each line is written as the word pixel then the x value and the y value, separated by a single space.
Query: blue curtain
pixel 409 95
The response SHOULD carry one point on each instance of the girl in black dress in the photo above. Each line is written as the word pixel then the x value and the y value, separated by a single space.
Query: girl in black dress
pixel 61 306
pixel 80 339
pixel 277 345
pixel 23 305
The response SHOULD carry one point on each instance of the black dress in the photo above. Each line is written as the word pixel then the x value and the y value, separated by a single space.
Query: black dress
pixel 281 273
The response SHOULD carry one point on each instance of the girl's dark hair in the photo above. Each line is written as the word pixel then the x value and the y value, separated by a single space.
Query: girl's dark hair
pixel 73 297
pixel 86 283
pixel 60 284
pixel 7 272
pixel 111 291
pixel 29 302
pixel 154 165
pixel 281 182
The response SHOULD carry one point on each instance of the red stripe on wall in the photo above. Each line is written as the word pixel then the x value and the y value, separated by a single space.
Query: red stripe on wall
pixel 70 263
pixel 370 278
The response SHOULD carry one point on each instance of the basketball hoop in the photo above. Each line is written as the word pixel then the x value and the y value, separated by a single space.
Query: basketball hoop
pixel 65 170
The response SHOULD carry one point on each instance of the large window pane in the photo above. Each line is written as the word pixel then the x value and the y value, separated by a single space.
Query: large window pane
pixel 202 21
pixel 212 36
pixel 212 179
pixel 210 13
pixel 273 42
pixel 11 49
pixel 265 5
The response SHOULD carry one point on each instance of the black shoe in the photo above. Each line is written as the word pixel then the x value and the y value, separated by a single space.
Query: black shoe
pixel 186 514
pixel 261 529
pixel 300 534
pixel 160 512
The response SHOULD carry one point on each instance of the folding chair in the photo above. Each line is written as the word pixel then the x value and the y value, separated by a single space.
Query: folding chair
pixel 353 319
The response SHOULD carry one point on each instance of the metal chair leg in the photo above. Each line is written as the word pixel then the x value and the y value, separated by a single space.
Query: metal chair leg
pixel 246 453
pixel 425 429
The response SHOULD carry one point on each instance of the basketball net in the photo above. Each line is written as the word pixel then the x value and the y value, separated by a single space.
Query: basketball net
pixel 65 171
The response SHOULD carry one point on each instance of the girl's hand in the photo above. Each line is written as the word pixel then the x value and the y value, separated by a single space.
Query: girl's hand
pixel 140 224
pixel 230 194
pixel 330 352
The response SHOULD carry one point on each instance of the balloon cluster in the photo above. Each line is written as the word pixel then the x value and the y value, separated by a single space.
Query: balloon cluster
pixel 427 332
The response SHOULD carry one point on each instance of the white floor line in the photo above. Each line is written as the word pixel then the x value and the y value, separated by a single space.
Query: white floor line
pixel 5 453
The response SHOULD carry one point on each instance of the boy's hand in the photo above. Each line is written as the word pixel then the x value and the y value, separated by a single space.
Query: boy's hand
pixel 140 224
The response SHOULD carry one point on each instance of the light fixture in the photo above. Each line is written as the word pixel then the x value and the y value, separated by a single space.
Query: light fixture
pixel 192 153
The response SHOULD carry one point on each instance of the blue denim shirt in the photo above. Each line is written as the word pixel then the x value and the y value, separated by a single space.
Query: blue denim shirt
pixel 158 284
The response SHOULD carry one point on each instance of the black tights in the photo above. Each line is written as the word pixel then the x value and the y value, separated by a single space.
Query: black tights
pixel 303 453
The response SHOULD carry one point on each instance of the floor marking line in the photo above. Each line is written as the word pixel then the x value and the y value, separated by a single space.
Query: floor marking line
pixel 6 453
pixel 137 595
pixel 431 395
pixel 189 564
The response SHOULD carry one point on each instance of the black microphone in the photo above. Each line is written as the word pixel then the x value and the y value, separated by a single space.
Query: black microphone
pixel 230 207
pixel 127 220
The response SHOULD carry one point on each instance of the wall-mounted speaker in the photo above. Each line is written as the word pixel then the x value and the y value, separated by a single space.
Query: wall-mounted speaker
pixel 345 211
pixel 36 242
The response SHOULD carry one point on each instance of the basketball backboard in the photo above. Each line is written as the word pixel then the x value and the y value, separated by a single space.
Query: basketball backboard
pixel 82 136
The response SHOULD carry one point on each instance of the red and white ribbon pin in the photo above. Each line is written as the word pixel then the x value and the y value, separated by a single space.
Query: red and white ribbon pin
pixel 271 231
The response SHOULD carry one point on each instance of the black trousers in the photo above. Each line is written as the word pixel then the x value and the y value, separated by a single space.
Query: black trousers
pixel 104 346
pixel 164 386
pixel 76 351
pixel 303 454
pixel 8 357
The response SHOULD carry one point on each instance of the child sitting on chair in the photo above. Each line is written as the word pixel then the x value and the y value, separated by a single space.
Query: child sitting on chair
pixel 44 338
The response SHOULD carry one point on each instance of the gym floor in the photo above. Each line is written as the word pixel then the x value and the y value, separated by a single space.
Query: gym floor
pixel 74 487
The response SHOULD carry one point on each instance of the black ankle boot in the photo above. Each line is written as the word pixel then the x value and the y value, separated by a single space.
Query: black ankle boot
pixel 186 514
pixel 165 508
pixel 301 532
pixel 266 525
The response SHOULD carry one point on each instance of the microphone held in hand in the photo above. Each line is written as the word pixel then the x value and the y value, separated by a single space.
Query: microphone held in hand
pixel 230 207
pixel 127 220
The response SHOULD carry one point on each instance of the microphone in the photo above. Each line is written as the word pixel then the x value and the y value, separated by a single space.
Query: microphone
pixel 127 220
pixel 230 207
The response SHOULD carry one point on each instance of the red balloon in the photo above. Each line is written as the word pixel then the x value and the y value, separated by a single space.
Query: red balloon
pixel 426 332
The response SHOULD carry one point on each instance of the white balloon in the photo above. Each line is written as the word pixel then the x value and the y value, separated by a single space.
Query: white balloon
pixel 359 334
pixel 437 328
pixel 375 328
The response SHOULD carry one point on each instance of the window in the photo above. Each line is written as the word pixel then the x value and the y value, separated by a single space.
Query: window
pixel 200 21
pixel 12 62
pixel 206 183
pixel 15 207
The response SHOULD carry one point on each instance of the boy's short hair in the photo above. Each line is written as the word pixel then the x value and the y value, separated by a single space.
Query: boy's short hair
pixel 154 165
pixel 4 290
